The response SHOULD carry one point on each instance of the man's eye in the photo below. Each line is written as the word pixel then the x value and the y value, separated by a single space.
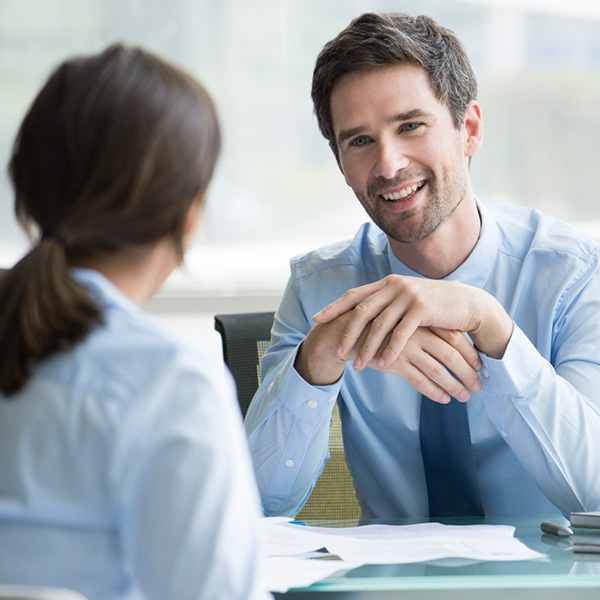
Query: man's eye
pixel 410 126
pixel 360 141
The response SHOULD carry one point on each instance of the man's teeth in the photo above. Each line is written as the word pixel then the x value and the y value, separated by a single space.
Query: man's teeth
pixel 411 189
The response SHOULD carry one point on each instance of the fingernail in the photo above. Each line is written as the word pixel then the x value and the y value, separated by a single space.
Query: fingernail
pixel 464 395
pixel 478 365
pixel 381 363
pixel 477 386
pixel 358 363
pixel 446 398
pixel 338 351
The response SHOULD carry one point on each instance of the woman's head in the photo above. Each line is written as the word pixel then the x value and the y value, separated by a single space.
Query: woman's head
pixel 115 150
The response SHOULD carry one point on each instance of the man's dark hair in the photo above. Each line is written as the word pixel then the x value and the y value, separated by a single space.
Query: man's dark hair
pixel 374 41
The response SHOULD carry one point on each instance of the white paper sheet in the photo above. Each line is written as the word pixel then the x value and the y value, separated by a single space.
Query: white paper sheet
pixel 281 573
pixel 282 538
pixel 411 550
pixel 285 543
pixel 418 530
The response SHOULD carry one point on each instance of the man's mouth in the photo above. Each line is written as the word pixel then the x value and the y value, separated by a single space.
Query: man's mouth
pixel 404 193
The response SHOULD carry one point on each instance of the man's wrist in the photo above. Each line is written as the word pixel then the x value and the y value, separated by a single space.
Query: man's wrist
pixel 494 333
pixel 316 368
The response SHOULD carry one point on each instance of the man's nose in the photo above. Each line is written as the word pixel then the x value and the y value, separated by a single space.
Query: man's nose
pixel 391 158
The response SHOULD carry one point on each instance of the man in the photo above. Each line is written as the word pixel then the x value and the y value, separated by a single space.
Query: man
pixel 497 308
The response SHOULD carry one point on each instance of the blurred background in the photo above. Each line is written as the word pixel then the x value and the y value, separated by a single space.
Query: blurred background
pixel 277 190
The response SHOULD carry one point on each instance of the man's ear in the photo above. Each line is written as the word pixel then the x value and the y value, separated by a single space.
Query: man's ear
pixel 337 160
pixel 473 127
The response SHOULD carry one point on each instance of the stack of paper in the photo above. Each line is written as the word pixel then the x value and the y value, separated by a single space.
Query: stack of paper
pixel 290 548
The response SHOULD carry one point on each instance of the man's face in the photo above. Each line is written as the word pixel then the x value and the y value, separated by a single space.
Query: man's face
pixel 399 149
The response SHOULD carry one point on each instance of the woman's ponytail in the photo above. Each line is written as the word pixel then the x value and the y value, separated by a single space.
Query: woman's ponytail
pixel 42 309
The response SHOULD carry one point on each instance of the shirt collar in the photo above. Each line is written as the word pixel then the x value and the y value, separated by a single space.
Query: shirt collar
pixel 105 293
pixel 477 268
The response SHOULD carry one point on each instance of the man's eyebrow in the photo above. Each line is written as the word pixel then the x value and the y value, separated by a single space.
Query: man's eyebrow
pixel 405 116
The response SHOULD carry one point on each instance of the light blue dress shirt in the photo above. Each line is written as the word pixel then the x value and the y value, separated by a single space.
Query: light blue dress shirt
pixel 124 471
pixel 535 426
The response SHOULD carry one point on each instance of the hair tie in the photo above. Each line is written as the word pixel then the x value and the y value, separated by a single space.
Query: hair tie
pixel 52 233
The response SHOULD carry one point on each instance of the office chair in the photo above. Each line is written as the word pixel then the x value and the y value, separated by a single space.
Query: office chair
pixel 245 338
pixel 33 592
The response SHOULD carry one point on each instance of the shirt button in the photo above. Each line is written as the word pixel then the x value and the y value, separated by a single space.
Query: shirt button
pixel 289 463
pixel 312 404
pixel 503 433
pixel 485 372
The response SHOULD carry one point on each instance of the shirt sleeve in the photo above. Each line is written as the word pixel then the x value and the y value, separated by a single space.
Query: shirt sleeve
pixel 186 498
pixel 546 403
pixel 288 420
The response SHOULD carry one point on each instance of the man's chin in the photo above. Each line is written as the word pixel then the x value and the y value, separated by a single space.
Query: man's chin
pixel 407 234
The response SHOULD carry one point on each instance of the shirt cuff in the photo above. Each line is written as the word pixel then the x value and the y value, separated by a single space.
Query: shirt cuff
pixel 516 371
pixel 303 400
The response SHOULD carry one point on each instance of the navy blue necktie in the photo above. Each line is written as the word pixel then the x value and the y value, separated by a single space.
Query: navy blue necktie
pixel 448 459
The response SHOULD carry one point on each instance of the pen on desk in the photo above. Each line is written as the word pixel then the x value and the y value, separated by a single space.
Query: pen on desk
pixel 553 529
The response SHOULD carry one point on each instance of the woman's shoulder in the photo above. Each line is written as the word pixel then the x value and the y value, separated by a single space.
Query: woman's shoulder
pixel 127 352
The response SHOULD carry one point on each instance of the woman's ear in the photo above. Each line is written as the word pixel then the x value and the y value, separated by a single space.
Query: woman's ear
pixel 193 218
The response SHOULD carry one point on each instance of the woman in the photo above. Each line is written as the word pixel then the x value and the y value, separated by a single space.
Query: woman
pixel 123 469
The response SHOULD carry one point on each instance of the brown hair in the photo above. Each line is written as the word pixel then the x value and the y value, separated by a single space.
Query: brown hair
pixel 379 40
pixel 111 154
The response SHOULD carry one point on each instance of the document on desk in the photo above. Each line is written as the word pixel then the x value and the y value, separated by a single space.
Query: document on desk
pixel 384 545
pixel 280 537
pixel 289 559
pixel 395 544
pixel 281 573
pixel 391 544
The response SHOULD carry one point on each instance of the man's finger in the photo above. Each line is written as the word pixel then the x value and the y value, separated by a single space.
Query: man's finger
pixel 459 341
pixel 398 339
pixel 379 335
pixel 347 302
pixel 420 382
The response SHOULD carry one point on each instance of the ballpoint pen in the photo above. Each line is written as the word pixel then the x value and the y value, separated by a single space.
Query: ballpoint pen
pixel 553 529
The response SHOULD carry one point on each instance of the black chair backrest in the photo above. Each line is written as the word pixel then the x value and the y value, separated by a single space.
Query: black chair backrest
pixel 245 337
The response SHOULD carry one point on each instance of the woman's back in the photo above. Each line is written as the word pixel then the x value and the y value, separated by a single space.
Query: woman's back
pixel 109 457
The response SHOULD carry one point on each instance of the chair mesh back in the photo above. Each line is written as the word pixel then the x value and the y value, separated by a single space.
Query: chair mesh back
pixel 333 496
pixel 245 338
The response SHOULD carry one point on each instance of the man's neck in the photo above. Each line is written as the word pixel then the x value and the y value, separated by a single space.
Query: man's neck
pixel 447 247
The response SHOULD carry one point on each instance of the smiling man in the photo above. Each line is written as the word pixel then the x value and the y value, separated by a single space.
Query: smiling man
pixel 459 340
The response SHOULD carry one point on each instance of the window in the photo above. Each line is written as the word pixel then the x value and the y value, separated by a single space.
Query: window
pixel 277 190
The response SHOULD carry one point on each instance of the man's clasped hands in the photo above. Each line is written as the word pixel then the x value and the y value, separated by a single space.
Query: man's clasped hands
pixel 414 328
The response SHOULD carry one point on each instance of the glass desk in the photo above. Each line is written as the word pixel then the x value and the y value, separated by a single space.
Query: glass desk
pixel 562 574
